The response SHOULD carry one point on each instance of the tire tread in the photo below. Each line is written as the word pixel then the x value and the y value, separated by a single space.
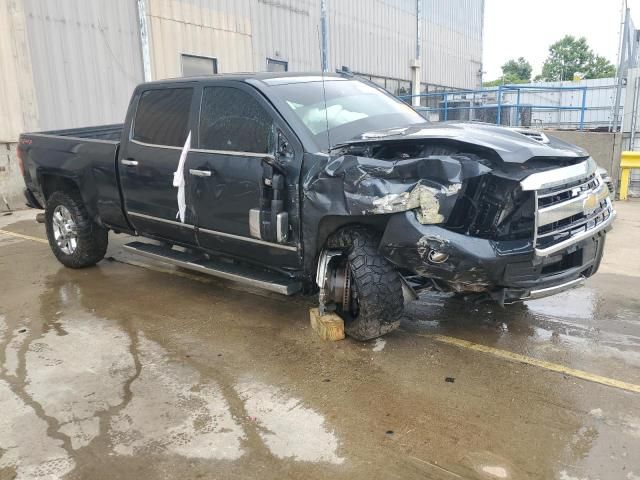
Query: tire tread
pixel 378 284
pixel 92 238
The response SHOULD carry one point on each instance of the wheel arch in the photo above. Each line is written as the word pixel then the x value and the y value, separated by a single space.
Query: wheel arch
pixel 331 224
pixel 55 182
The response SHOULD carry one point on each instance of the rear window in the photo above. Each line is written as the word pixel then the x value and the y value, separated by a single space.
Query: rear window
pixel 162 117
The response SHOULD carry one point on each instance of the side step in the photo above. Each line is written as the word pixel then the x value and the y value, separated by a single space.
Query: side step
pixel 218 268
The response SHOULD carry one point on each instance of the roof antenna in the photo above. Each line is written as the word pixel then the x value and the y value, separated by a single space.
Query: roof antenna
pixel 323 66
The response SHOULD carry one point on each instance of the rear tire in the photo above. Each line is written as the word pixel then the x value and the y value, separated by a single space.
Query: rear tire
pixel 75 239
pixel 376 285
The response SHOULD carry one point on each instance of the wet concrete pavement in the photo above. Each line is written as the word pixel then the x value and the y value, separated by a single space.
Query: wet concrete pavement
pixel 133 369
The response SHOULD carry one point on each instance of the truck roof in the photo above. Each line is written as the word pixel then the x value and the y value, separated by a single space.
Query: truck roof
pixel 269 78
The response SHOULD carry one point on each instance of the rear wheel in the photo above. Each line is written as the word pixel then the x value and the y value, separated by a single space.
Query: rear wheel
pixel 75 239
pixel 364 286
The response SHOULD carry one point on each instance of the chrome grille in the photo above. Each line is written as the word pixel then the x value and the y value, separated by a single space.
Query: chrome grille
pixel 572 203
pixel 568 211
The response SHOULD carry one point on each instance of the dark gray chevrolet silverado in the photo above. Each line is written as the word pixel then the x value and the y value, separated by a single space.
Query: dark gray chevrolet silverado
pixel 302 183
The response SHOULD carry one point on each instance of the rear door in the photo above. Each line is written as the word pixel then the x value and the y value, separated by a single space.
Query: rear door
pixel 160 127
pixel 237 129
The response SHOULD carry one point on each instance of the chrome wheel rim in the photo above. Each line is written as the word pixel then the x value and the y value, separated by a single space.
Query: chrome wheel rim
pixel 65 231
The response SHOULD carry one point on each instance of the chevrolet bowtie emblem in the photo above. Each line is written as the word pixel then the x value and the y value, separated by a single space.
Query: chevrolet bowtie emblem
pixel 590 203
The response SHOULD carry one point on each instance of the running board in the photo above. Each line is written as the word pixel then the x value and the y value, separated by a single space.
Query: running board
pixel 218 268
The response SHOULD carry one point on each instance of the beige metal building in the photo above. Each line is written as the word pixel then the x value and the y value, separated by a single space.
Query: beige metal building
pixel 69 63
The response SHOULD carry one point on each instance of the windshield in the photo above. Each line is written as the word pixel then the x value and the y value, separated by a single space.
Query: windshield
pixel 352 108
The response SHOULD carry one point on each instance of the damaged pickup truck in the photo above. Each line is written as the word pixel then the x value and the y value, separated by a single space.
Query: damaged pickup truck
pixel 302 183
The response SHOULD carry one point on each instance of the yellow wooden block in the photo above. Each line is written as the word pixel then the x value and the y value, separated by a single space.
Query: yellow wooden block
pixel 329 326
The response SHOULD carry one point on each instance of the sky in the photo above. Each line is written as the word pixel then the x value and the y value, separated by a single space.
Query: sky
pixel 526 28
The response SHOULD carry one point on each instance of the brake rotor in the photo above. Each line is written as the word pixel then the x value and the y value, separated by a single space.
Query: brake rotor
pixel 340 286
pixel 346 292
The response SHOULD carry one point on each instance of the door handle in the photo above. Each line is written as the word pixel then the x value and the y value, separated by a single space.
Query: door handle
pixel 129 162
pixel 201 173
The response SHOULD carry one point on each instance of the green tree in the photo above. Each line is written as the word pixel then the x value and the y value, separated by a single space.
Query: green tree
pixel 571 55
pixel 517 70
pixel 514 71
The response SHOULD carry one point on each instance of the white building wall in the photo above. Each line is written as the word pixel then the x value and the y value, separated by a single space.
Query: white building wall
pixel 452 42
pixel 211 28
pixel 287 31
pixel 18 108
pixel 373 37
pixel 86 60
pixel 69 63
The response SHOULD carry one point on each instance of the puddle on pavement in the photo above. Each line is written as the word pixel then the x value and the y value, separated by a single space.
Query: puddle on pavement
pixel 91 378
pixel 581 328
pixel 94 370
pixel 174 410
pixel 288 428
pixel 604 447
pixel 26 449
pixel 80 374
pixel 580 303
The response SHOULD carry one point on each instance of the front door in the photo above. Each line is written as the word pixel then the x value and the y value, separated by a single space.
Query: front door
pixel 237 129
pixel 148 160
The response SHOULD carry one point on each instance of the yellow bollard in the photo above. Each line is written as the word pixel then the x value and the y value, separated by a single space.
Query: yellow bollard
pixel 628 160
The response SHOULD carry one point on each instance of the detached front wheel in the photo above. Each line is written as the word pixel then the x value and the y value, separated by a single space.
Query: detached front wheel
pixel 364 286
pixel 75 239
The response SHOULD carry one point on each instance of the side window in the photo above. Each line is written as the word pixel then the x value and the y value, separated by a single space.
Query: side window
pixel 162 117
pixel 233 120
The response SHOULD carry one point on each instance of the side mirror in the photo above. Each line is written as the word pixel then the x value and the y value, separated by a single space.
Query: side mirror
pixel 270 222
pixel 271 161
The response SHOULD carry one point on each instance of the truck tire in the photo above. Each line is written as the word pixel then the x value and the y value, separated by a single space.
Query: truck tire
pixel 75 239
pixel 375 285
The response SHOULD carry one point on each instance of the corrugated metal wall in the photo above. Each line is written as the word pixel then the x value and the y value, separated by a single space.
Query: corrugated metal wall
pixel 69 63
pixel 212 28
pixel 452 42
pixel 375 37
pixel 18 109
pixel 286 30
pixel 240 34
pixel 86 60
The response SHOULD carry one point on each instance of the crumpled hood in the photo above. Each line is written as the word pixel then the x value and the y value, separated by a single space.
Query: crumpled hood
pixel 511 146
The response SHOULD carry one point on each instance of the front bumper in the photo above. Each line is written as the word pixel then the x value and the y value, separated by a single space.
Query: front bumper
pixel 508 271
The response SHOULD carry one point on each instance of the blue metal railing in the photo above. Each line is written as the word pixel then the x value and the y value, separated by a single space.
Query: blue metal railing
pixel 481 96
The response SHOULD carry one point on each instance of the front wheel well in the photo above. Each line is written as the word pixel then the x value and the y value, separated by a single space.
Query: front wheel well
pixel 360 285
pixel 332 224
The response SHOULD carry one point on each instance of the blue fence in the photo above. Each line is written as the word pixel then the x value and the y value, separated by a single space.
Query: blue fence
pixel 513 105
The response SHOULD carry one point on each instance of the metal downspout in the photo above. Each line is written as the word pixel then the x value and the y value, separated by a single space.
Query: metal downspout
pixel 324 36
pixel 620 73
pixel 418 32
pixel 415 63
pixel 144 40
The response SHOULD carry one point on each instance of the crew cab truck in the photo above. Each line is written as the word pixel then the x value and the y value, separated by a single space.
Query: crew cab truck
pixel 322 183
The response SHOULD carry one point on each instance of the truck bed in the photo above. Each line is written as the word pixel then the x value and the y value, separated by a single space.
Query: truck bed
pixel 85 157
pixel 109 133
